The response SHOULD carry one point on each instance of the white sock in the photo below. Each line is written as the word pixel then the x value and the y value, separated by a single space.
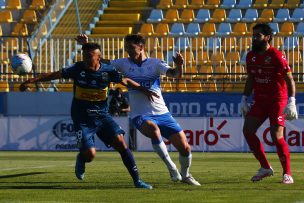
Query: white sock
pixel 162 152
pixel 185 162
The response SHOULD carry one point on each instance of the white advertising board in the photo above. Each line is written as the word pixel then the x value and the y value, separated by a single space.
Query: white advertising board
pixel 45 133
pixel 225 134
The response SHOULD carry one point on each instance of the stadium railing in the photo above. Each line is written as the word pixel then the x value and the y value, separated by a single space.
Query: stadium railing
pixel 208 60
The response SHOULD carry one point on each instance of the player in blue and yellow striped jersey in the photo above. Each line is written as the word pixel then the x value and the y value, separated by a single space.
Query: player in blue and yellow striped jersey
pixel 89 109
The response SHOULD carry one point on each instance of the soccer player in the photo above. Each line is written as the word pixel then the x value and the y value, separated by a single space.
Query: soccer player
pixel 270 78
pixel 89 109
pixel 152 118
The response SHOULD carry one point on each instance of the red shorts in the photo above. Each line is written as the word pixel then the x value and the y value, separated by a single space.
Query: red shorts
pixel 269 108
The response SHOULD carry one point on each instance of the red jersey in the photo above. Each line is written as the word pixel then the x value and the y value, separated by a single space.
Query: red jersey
pixel 268 71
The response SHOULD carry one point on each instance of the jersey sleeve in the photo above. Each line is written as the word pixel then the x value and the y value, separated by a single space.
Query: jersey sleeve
pixel 163 67
pixel 282 63
pixel 69 72
pixel 117 63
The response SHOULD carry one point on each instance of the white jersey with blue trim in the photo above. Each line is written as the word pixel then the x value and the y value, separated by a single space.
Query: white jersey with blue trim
pixel 148 75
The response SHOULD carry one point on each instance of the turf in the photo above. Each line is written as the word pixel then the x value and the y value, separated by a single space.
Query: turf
pixel 49 177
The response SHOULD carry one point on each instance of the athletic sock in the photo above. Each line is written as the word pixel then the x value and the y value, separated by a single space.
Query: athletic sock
pixel 284 155
pixel 257 149
pixel 185 162
pixel 129 162
pixel 162 151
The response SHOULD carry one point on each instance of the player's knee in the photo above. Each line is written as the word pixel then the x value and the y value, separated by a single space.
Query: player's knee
pixel 89 155
pixel 119 144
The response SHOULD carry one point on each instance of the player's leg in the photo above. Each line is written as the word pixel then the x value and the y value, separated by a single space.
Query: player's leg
pixel 251 125
pixel 150 129
pixel 127 157
pixel 277 122
pixel 179 141
pixel 112 135
pixel 87 152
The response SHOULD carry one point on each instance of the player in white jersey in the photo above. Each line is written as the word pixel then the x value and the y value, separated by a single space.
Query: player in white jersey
pixel 152 118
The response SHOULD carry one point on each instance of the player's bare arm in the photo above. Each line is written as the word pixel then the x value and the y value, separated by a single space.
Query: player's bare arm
pixel 41 77
pixel 179 62
pixel 131 83
pixel 248 86
pixel 290 84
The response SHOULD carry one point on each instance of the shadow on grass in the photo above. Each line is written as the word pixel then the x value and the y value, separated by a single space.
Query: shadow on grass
pixel 21 174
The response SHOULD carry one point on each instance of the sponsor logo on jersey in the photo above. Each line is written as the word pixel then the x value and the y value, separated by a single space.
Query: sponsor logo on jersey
pixel 82 74
pixel 268 59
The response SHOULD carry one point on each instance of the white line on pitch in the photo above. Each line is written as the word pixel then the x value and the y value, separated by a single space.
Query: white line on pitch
pixel 32 167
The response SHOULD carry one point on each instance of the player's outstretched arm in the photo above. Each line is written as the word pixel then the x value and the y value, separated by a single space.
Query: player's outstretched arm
pixel 290 110
pixel 179 62
pixel 41 77
pixel 131 83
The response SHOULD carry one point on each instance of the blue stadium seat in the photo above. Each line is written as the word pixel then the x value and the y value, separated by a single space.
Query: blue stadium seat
pixel 298 15
pixel 291 43
pixel 213 43
pixel 275 28
pixel 156 16
pixel 168 57
pixel 243 59
pixel 228 4
pixel 2 4
pixel 203 15
pixel 282 15
pixel 177 30
pixel 244 4
pixel 251 15
pixel 235 15
pixel 299 30
pixel 193 29
pixel 224 29
pixel 182 43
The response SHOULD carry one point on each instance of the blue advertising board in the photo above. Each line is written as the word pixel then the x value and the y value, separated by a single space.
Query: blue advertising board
pixel 2 99
pixel 211 104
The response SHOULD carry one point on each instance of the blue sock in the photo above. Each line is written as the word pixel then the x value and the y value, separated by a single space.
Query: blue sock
pixel 129 162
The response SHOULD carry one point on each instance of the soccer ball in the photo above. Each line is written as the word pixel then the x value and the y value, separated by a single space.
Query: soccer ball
pixel 21 64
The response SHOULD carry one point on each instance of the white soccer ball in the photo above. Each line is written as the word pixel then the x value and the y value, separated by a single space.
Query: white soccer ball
pixel 21 64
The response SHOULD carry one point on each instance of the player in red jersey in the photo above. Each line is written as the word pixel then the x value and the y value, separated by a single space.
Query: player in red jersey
pixel 270 78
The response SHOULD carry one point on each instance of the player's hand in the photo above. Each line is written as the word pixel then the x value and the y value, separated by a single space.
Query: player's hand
pixel 245 107
pixel 290 109
pixel 82 39
pixel 178 59
pixel 150 94
pixel 24 86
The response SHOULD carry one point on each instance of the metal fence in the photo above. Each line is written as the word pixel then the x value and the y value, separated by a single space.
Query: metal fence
pixel 205 58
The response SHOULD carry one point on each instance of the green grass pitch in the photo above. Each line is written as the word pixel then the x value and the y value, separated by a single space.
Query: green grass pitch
pixel 225 177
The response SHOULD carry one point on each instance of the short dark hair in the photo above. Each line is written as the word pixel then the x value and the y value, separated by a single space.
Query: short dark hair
pixel 265 28
pixel 90 46
pixel 134 38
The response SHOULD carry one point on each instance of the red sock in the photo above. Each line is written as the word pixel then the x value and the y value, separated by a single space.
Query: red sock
pixel 257 149
pixel 284 155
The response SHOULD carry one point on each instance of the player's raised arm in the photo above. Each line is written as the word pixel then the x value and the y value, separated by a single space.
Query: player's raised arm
pixel 41 77
pixel 179 62
pixel 131 83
